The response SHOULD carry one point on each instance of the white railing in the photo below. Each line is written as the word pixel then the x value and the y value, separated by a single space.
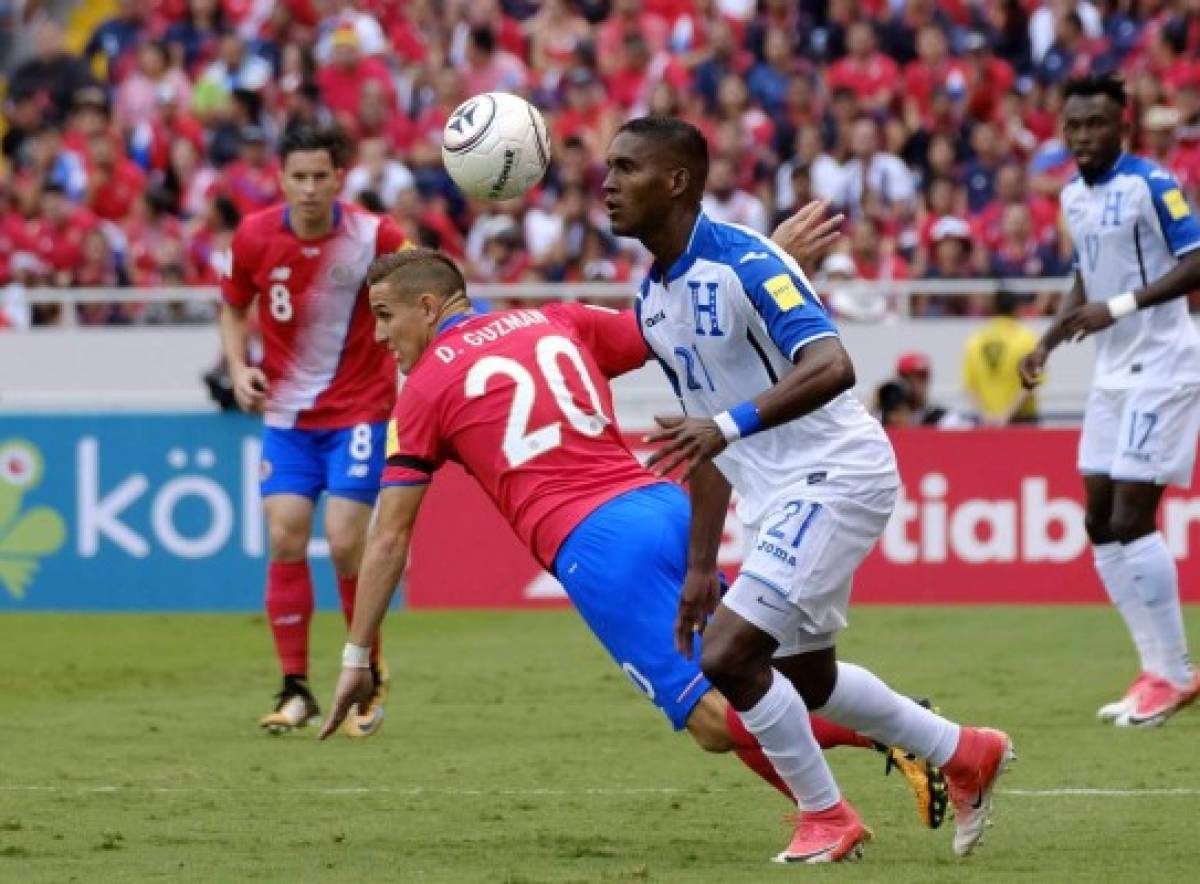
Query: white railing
pixel 898 292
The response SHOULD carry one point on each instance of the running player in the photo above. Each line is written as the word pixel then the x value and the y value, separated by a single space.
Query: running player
pixel 325 387
pixel 521 399
pixel 1137 247
pixel 763 376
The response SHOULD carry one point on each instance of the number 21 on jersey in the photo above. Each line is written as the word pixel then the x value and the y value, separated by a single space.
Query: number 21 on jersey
pixel 521 444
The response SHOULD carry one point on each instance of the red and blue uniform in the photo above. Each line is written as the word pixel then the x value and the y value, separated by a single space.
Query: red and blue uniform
pixel 521 400
pixel 330 385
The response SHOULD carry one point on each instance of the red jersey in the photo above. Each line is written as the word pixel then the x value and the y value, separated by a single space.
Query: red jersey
pixel 521 400
pixel 323 365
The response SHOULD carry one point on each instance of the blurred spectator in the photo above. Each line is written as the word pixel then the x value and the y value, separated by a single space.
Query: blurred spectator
pixel 893 405
pixel 1044 22
pixel 769 80
pixel 235 68
pixel 1072 52
pixel 490 68
pixel 50 76
pixel 933 69
pixel 980 171
pixel 138 97
pixel 194 39
pixel 556 33
pixel 116 38
pixel 251 182
pixel 343 78
pixel 725 202
pixel 837 278
pixel 377 171
pixel 56 235
pixel 628 17
pixel 1012 189
pixel 1019 253
pixel 345 16
pixel 1181 157
pixel 113 181
pixel 871 171
pixel 189 180
pixel 51 163
pixel 915 373
pixel 990 360
pixel 872 76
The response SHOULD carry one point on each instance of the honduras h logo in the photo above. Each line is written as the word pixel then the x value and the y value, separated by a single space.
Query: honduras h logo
pixel 25 536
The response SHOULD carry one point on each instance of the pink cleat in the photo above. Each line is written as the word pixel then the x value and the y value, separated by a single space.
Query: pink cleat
pixel 1159 700
pixel 827 836
pixel 1122 707
pixel 982 755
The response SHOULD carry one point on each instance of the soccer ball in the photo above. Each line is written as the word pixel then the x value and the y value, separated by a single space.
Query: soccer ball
pixel 495 146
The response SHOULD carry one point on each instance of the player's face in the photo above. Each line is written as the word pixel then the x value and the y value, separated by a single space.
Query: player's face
pixel 404 325
pixel 637 187
pixel 311 183
pixel 1092 129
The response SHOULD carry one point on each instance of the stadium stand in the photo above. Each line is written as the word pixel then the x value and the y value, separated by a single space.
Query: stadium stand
pixel 138 135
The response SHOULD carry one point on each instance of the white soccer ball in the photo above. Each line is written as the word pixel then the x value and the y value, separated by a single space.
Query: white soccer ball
pixel 495 146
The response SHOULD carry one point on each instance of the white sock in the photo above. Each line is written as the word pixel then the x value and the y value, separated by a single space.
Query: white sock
pixel 1154 577
pixel 1114 574
pixel 861 701
pixel 779 721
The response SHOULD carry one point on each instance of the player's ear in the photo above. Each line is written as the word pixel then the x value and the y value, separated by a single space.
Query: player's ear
pixel 681 182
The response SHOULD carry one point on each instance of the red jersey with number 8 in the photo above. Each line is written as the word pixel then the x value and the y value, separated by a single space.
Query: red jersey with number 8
pixel 323 366
pixel 521 400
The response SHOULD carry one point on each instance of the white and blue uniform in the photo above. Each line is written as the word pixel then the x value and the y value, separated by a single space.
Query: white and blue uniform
pixel 1131 226
pixel 726 322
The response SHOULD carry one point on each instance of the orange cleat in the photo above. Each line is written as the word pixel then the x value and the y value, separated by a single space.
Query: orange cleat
pixel 982 755
pixel 827 836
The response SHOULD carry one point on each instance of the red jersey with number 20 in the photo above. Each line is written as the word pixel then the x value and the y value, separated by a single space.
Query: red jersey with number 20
pixel 323 366
pixel 521 400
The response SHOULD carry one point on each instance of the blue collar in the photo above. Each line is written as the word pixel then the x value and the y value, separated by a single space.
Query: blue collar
pixel 1105 177
pixel 685 261
pixel 450 321
pixel 337 218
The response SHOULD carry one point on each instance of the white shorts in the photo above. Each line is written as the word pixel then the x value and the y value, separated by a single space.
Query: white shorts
pixel 795 580
pixel 1147 434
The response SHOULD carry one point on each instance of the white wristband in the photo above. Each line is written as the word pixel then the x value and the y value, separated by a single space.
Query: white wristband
pixel 356 657
pixel 1122 305
pixel 728 426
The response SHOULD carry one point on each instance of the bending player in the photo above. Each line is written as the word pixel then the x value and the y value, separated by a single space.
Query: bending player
pixel 765 381
pixel 521 399
pixel 324 386
pixel 1137 247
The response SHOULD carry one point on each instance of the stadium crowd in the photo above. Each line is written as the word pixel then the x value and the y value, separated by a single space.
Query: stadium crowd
pixel 932 126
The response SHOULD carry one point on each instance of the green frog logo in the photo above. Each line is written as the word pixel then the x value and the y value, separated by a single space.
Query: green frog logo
pixel 25 537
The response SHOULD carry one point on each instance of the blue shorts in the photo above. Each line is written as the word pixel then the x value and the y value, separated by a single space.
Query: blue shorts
pixel 346 462
pixel 623 568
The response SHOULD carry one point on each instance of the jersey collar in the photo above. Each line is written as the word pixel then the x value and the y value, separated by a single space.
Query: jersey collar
pixel 337 219
pixel 450 321
pixel 685 261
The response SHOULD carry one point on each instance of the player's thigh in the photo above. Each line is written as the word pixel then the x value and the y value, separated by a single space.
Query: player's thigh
pixel 795 582
pixel 354 458
pixel 289 526
pixel 1100 432
pixel 292 463
pixel 1135 510
pixel 1156 440
pixel 346 524
pixel 1098 493
pixel 623 569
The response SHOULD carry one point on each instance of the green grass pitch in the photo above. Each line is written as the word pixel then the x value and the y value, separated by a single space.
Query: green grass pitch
pixel 515 752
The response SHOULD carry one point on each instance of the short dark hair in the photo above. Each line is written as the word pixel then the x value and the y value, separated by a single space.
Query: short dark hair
pixel 1006 303
pixel 417 271
pixel 328 138
pixel 1101 84
pixel 685 141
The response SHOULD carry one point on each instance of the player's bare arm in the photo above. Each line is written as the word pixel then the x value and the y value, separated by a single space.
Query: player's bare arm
pixel 249 381
pixel 1181 280
pixel 1034 363
pixel 702 586
pixel 382 566
pixel 808 238
pixel 823 371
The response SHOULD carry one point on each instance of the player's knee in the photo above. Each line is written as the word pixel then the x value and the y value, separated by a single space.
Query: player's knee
pixel 725 661
pixel 346 554
pixel 1098 526
pixel 1126 526
pixel 287 543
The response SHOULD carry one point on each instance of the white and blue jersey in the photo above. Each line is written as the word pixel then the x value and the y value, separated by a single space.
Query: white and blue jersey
pixel 726 322
pixel 1130 226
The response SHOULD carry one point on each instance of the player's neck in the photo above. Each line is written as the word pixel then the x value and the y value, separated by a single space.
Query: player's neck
pixel 671 239
pixel 1103 168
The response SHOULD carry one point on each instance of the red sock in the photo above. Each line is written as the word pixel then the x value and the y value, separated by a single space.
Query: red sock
pixel 830 735
pixel 289 610
pixel 746 747
pixel 347 587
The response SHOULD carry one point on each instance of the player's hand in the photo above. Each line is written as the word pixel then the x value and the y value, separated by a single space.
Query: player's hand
pixel 1085 320
pixel 249 388
pixel 1031 367
pixel 701 595
pixel 689 441
pixel 355 686
pixel 806 237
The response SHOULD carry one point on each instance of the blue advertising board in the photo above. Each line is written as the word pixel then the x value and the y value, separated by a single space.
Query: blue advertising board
pixel 146 512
